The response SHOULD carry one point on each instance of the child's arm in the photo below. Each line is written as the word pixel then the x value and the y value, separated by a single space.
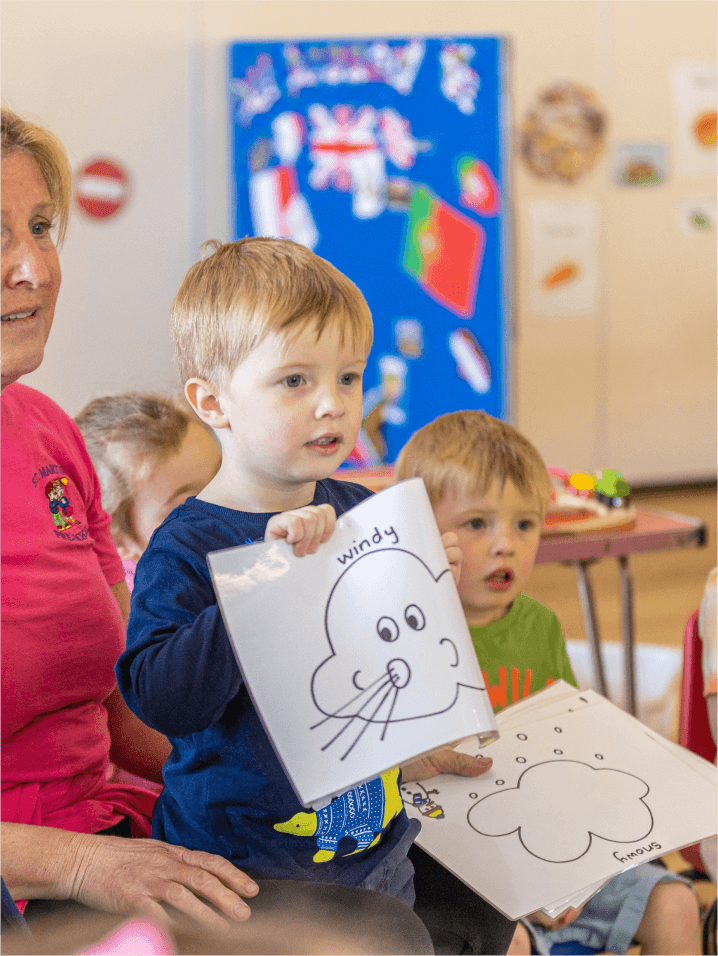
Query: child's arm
pixel 178 672
pixel 305 528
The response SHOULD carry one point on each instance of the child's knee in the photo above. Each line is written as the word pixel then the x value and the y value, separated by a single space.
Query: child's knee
pixel 672 904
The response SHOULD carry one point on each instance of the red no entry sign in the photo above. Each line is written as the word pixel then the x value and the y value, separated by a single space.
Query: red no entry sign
pixel 102 188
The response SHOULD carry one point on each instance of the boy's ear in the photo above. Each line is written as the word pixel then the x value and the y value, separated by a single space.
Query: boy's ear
pixel 204 399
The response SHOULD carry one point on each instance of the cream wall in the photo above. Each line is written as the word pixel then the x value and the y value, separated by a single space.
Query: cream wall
pixel 632 386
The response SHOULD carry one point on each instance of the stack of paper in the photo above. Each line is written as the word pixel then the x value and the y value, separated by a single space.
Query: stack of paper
pixel 579 791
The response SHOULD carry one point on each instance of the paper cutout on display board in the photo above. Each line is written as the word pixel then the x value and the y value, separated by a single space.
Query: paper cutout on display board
pixel 358 657
pixel 578 791
pixel 443 250
pixel 479 189
pixel 388 158
pixel 471 363
pixel 278 207
pixel 256 91
pixel 460 83
pixel 355 63
pixel 348 149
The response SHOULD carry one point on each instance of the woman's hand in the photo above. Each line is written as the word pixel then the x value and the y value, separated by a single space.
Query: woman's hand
pixel 305 528
pixel 445 761
pixel 118 875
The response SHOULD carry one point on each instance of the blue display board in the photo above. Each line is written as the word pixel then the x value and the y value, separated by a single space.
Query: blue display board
pixel 388 158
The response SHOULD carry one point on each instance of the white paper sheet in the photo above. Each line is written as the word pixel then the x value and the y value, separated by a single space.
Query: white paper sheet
pixel 572 799
pixel 358 657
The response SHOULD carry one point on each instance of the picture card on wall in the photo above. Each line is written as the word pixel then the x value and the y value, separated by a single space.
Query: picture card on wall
pixel 357 657
pixel 563 253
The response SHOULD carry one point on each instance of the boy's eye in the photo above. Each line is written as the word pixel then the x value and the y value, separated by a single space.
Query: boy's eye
pixel 293 381
pixel 527 524
pixel 476 523
pixel 349 378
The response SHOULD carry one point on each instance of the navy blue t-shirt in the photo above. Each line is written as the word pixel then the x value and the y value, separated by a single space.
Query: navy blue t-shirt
pixel 224 787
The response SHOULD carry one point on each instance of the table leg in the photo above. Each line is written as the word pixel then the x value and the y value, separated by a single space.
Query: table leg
pixel 628 631
pixel 590 621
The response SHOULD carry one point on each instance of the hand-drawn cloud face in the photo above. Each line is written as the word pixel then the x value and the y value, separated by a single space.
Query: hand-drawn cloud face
pixel 552 823
pixel 393 657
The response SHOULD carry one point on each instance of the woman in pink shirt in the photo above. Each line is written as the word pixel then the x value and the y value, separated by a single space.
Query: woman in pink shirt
pixel 64 599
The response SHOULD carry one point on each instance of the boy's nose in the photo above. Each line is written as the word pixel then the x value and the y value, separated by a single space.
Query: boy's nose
pixel 502 541
pixel 330 403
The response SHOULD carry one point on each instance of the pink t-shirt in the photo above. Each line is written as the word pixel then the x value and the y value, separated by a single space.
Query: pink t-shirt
pixel 62 630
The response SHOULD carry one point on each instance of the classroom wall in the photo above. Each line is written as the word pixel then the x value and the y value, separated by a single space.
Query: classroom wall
pixel 630 386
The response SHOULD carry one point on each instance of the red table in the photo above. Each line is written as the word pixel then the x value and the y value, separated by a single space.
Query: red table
pixel 652 531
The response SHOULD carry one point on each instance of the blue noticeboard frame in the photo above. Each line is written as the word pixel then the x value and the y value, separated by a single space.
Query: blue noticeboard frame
pixel 389 158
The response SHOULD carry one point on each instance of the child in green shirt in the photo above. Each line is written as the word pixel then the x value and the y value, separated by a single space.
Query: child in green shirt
pixel 489 485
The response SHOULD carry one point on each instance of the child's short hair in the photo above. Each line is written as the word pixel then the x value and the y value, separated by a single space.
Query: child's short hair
pixel 232 299
pixel 464 452
pixel 127 436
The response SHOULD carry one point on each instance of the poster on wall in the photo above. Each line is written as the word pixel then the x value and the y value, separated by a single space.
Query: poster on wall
pixel 388 158
pixel 694 90
pixel 563 258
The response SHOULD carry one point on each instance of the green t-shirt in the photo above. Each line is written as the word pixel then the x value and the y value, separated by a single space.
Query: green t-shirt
pixel 522 652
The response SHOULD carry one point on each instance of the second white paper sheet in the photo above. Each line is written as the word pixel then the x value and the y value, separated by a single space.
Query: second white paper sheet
pixel 573 798
pixel 357 657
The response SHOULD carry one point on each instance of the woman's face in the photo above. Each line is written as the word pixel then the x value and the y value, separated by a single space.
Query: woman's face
pixel 30 266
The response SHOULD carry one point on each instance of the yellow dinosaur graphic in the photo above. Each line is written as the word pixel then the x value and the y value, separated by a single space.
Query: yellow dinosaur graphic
pixel 362 813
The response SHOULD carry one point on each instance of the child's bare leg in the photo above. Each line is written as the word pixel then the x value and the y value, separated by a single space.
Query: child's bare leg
pixel 520 944
pixel 671 921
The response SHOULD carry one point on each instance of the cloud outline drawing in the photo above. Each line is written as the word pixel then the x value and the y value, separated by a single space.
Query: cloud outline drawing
pixel 397 663
pixel 545 845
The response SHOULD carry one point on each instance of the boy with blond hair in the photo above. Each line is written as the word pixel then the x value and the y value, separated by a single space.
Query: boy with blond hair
pixel 489 485
pixel 271 342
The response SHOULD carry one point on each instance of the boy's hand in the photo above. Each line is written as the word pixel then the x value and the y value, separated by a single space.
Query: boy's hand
pixel 453 554
pixel 445 761
pixel 305 528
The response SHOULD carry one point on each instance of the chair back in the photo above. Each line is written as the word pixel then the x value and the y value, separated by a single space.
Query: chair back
pixel 694 731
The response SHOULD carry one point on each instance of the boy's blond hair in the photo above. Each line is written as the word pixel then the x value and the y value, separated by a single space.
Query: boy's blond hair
pixel 463 453
pixel 243 291
pixel 127 437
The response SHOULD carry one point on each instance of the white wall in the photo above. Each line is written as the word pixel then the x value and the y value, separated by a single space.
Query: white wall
pixel 632 386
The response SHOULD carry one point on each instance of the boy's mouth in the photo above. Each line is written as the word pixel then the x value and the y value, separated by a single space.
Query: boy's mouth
pixel 500 580
pixel 326 445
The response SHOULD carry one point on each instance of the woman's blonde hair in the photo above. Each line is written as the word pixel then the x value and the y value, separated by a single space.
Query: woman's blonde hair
pixel 127 436
pixel 21 136
pixel 242 291
pixel 464 452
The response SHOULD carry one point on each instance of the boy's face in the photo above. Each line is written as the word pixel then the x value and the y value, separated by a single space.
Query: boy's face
pixel 498 536
pixel 294 408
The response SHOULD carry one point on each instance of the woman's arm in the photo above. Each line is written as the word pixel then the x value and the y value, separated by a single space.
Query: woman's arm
pixel 121 876
pixel 134 746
